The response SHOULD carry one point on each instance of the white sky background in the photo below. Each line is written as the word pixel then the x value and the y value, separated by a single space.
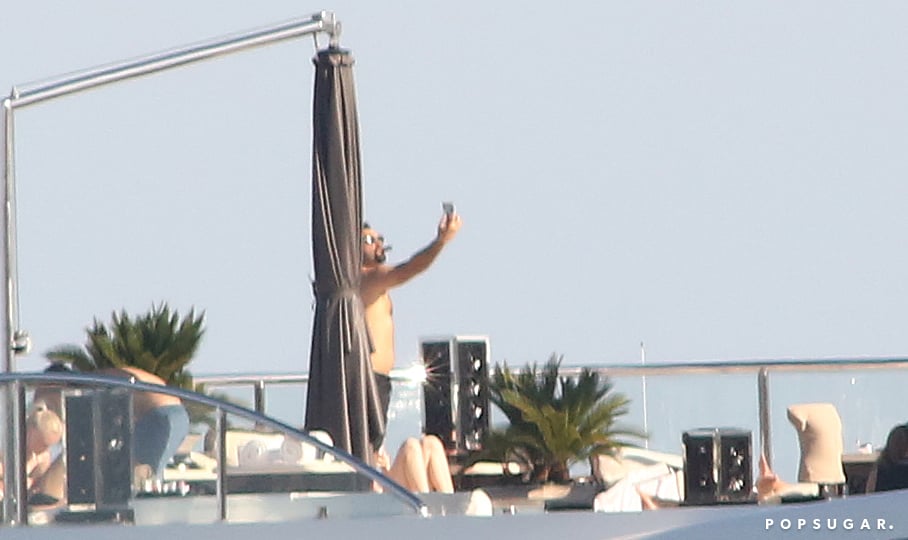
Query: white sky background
pixel 721 180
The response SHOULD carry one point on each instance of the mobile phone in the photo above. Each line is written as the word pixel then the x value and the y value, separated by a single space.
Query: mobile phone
pixel 448 207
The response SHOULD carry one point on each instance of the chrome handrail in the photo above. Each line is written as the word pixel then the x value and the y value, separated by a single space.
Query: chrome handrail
pixel 259 382
pixel 221 408
pixel 744 366
pixel 759 367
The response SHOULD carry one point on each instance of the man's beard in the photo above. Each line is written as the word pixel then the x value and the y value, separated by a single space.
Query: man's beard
pixel 380 257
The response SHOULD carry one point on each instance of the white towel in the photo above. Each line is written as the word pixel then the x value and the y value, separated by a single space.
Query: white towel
pixel 480 504
pixel 294 451
pixel 253 453
pixel 324 437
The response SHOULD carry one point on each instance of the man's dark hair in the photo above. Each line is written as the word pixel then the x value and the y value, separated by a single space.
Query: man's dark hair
pixel 58 367
pixel 366 225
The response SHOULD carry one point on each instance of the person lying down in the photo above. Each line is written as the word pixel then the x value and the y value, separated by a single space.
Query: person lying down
pixel 43 430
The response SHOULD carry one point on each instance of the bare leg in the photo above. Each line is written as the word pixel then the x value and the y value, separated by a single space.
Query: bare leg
pixel 648 502
pixel 409 467
pixel 437 470
pixel 768 483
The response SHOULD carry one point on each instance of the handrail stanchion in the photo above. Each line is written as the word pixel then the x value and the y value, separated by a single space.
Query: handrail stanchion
pixel 8 449
pixel 765 426
pixel 21 477
pixel 259 396
pixel 6 325
pixel 221 446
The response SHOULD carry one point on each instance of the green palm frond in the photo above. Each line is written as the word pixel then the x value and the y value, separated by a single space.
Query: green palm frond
pixel 160 342
pixel 556 421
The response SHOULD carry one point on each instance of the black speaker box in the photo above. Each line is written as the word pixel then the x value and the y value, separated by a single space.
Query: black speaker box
pixel 717 466
pixel 99 448
pixel 439 418
pixel 456 391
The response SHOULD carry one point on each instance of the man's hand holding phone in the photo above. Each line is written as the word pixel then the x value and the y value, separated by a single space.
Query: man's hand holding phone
pixel 450 222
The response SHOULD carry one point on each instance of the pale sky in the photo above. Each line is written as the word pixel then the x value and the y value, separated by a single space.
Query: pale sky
pixel 719 180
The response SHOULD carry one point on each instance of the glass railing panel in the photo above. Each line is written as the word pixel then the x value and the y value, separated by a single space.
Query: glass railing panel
pixel 270 471
pixel 675 404
pixel 405 414
pixel 286 401
pixel 868 402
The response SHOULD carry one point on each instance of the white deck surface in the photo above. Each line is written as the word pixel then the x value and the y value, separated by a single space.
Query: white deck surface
pixel 840 518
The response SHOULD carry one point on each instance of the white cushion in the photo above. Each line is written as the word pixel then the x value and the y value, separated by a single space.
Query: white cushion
pixel 820 437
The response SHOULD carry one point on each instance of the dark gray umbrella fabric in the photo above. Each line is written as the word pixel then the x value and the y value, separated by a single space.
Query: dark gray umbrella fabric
pixel 342 398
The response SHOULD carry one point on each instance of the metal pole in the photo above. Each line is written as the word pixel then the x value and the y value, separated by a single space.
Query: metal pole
pixel 21 483
pixel 765 427
pixel 127 69
pixel 6 274
pixel 10 434
pixel 643 384
pixel 259 392
pixel 220 484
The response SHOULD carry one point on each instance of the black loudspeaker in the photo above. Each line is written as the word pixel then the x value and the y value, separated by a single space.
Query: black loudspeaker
pixel 473 392
pixel 439 419
pixel 456 391
pixel 717 466
pixel 99 449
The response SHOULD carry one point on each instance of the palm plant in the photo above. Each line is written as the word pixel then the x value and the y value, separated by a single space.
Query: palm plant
pixel 555 421
pixel 159 342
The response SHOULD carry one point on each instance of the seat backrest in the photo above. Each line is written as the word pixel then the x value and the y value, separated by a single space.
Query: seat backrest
pixel 819 430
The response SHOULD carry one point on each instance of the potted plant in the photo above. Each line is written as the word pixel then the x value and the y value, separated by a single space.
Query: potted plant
pixel 159 342
pixel 554 421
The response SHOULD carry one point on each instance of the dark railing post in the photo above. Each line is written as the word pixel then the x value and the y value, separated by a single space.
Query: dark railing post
pixel 221 446
pixel 260 396
pixel 20 490
pixel 765 427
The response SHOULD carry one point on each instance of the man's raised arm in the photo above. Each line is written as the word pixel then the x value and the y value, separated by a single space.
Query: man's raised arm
pixel 423 259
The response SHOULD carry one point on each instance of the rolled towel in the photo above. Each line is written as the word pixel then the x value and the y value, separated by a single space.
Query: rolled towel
pixel 324 437
pixel 480 504
pixel 294 451
pixel 253 453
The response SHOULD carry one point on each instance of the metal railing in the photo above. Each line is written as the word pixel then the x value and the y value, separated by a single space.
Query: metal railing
pixel 761 369
pixel 19 381
pixel 260 382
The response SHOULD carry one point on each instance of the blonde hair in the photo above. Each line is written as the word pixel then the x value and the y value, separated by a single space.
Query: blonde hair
pixel 45 424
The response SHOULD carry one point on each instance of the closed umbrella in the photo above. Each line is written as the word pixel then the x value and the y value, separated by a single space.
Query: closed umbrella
pixel 342 398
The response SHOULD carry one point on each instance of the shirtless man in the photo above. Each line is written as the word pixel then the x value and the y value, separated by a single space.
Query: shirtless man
pixel 161 421
pixel 420 465
pixel 378 278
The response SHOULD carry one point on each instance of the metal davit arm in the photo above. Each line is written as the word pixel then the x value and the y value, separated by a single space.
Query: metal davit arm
pixel 90 78
pixel 30 94
pixel 38 92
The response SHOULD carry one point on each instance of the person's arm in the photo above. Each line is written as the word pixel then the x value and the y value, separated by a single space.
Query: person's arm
pixel 423 259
